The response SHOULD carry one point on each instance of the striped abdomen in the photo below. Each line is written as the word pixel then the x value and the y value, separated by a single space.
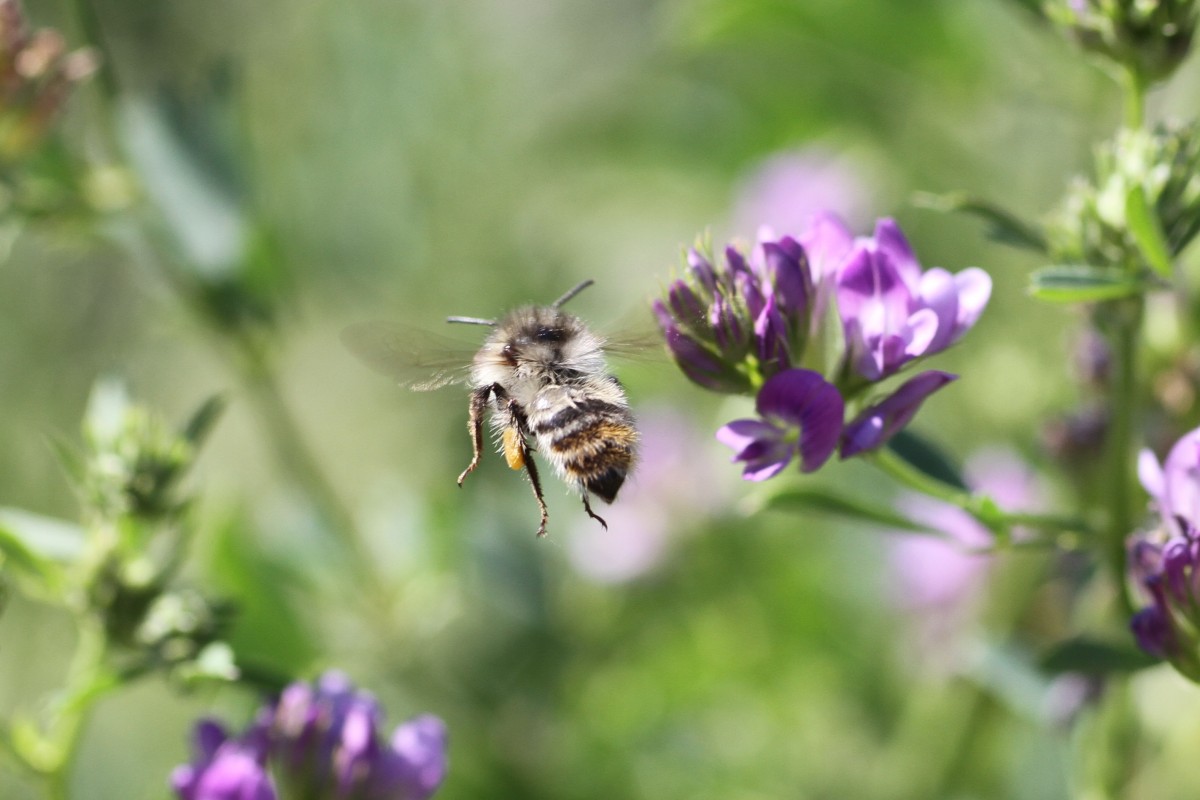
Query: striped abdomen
pixel 587 434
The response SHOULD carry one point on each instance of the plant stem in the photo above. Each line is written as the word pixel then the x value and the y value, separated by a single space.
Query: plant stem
pixel 979 506
pixel 1135 99
pixel 87 680
pixel 1120 445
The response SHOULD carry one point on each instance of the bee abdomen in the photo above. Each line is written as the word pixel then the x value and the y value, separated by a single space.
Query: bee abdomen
pixel 597 456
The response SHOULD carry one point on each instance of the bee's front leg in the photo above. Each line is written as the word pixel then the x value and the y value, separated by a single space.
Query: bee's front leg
pixel 479 401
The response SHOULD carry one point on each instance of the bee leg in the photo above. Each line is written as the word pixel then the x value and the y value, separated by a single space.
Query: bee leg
pixel 479 401
pixel 588 508
pixel 531 470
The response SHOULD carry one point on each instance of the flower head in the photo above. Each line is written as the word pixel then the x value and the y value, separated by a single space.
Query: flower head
pixel 321 741
pixel 733 325
pixel 801 415
pixel 1164 563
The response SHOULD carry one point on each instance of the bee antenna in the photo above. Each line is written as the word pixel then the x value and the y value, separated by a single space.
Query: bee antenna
pixel 472 321
pixel 571 293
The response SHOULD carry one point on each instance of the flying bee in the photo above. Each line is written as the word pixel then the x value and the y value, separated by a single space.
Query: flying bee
pixel 542 374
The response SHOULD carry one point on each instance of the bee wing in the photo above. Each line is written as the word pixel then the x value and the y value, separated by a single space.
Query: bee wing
pixel 418 359
pixel 636 345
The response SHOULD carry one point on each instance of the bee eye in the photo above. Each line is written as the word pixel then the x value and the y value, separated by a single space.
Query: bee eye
pixel 549 335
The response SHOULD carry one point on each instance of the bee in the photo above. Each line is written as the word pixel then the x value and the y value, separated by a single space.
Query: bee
pixel 541 373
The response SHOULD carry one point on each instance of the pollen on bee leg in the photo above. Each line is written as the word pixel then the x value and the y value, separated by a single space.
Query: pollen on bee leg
pixel 514 448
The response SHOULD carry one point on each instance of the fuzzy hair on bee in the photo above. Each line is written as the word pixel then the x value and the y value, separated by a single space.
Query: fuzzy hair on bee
pixel 542 376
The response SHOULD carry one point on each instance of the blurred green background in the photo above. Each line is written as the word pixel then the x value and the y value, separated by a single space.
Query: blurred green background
pixel 384 159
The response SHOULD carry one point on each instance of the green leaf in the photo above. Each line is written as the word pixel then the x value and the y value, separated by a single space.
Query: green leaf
pixel 1095 657
pixel 49 538
pixel 820 500
pixel 35 547
pixel 202 422
pixel 1003 225
pixel 927 457
pixel 16 555
pixel 1146 231
pixel 1081 283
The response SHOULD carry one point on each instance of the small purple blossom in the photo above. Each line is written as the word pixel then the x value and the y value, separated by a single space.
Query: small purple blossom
pixel 892 312
pixel 321 741
pixel 878 423
pixel 224 769
pixel 801 415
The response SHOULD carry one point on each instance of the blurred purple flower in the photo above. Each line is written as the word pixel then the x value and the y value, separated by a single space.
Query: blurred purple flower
pixel 674 489
pixel 878 423
pixel 787 189
pixel 801 414
pixel 224 769
pixel 892 312
pixel 940 581
pixel 932 572
pixel 320 741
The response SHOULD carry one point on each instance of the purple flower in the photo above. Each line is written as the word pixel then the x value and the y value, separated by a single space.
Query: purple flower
pixel 801 414
pixel 225 769
pixel 1166 568
pixel 1175 486
pixel 324 739
pixel 876 424
pixel 320 741
pixel 892 312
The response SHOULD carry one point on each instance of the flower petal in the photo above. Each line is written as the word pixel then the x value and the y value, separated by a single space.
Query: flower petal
pixel 880 422
pixel 741 433
pixel 802 398
pixel 939 294
pixel 974 291
pixel 892 242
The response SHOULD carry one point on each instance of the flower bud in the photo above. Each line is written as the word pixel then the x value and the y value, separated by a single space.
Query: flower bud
pixel 1092 226
pixel 1150 38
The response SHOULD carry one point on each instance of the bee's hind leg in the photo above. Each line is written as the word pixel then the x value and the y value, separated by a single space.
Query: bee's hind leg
pixel 531 471
pixel 588 508
pixel 479 401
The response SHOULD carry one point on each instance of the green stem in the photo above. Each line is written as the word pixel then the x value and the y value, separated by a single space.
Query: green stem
pixel 1120 444
pixel 87 680
pixel 913 478
pixel 1135 99
pixel 979 506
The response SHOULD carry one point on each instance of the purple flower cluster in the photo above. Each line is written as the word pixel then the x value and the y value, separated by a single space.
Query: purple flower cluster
pixel 746 325
pixel 317 741
pixel 1165 562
